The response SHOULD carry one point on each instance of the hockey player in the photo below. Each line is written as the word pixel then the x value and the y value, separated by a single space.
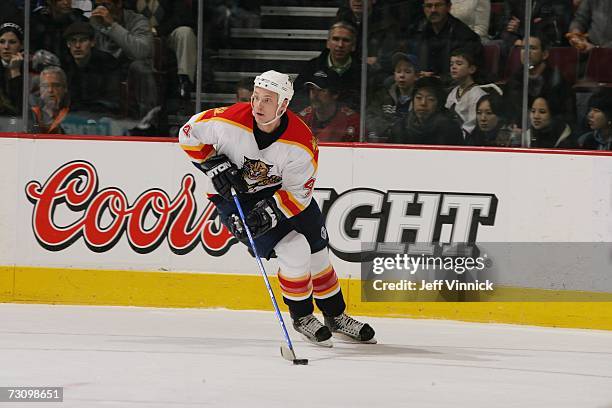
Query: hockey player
pixel 267 154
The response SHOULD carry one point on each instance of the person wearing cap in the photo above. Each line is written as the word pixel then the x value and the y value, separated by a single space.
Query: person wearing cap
pixel 11 67
pixel 390 104
pixel 329 119
pixel 428 121
pixel 48 25
pixel 599 119
pixel 265 154
pixel 93 76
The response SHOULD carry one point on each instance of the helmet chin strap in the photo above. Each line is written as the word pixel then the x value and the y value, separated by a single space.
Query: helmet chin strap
pixel 276 117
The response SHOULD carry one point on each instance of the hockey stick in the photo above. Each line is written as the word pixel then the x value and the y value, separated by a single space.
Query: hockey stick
pixel 286 349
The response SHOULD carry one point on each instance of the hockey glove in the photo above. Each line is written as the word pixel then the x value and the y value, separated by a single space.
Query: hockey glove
pixel 224 175
pixel 262 218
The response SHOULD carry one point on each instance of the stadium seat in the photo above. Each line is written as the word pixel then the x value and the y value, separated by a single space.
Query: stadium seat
pixel 513 63
pixel 566 59
pixel 598 72
pixel 492 54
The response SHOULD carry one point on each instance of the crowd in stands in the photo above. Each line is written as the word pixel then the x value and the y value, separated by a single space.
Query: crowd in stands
pixel 438 71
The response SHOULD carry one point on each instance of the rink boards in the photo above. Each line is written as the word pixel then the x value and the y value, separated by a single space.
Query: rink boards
pixel 163 246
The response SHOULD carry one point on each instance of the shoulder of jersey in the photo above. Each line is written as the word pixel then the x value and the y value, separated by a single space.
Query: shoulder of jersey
pixel 299 133
pixel 239 114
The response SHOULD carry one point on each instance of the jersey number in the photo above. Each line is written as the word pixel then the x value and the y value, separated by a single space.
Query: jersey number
pixel 309 186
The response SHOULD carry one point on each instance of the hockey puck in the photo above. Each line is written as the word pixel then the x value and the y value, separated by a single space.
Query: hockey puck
pixel 300 361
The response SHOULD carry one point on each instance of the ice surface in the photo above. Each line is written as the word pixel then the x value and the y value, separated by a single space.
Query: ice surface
pixel 146 357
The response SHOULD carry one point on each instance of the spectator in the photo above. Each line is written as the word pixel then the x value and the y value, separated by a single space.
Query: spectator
pixel 491 125
pixel 49 24
pixel 549 17
pixel 476 14
pixel 593 19
pixel 599 120
pixel 11 69
pixel 244 89
pixel 126 35
pixel 389 106
pixel 544 80
pixel 383 30
pixel 428 122
pixel 463 97
pixel 93 75
pixel 174 22
pixel 51 108
pixel 548 127
pixel 338 56
pixel 442 34
pixel 329 119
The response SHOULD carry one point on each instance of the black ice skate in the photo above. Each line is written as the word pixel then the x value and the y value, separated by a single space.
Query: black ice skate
pixel 349 329
pixel 313 331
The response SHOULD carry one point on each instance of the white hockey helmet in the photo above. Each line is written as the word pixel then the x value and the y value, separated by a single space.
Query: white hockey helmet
pixel 278 83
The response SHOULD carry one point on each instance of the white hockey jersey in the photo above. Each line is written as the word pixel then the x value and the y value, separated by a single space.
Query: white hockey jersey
pixel 290 162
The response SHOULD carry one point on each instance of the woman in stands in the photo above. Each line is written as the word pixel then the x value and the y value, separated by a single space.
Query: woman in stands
pixel 599 120
pixel 548 127
pixel 491 124
pixel 11 62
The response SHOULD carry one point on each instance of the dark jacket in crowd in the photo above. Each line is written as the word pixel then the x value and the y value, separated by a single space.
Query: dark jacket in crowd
pixel 499 136
pixel 438 129
pixel 550 85
pixel 387 112
pixel 594 140
pixel 11 93
pixel 94 87
pixel 557 135
pixel 434 50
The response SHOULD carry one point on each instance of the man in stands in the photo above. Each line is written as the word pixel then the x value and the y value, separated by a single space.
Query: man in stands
pixel 339 56
pixel 93 75
pixel 441 35
pixel 329 119
pixel 544 80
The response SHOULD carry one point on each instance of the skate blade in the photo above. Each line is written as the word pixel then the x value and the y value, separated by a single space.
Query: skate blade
pixel 348 339
pixel 327 343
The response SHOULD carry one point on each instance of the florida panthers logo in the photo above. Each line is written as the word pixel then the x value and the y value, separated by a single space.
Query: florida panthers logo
pixel 258 172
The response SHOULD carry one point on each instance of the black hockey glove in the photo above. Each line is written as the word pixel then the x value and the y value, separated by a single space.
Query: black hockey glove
pixel 262 218
pixel 224 175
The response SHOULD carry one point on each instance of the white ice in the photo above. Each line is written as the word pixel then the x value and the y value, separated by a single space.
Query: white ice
pixel 145 357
